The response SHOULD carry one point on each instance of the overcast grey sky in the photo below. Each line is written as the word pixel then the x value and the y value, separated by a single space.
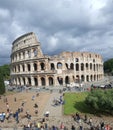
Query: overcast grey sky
pixel 60 25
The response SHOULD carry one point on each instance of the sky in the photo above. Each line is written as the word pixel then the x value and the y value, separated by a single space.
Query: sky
pixel 60 25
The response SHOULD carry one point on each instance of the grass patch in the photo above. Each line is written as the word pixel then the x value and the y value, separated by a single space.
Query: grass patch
pixel 74 102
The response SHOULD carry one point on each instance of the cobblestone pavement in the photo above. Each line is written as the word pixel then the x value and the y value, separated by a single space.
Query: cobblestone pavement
pixel 56 116
pixel 55 111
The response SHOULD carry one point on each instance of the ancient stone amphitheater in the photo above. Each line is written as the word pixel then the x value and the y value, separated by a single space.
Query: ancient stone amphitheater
pixel 29 66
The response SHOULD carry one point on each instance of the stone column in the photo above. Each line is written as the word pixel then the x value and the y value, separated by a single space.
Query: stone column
pixel 17 56
pixel 39 81
pixel 39 68
pixel 17 81
pixel 32 53
pixel 26 80
pixel 55 81
pixel 26 54
pixel 32 67
pixel 46 80
pixel 21 80
pixel 32 81
pixel 21 70
pixel 25 66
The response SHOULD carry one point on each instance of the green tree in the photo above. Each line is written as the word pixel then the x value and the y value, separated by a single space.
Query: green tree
pixel 101 100
pixel 108 66
pixel 5 71
pixel 2 85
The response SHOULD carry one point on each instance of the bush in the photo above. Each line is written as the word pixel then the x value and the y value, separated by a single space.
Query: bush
pixel 101 100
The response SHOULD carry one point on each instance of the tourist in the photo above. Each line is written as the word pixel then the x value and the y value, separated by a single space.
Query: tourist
pixel 107 127
pixel 102 125
pixel 54 128
pixel 72 127
pixel 16 116
pixel 37 94
pixel 90 121
pixel 77 117
pixel 36 105
pixel 2 117
pixel 7 105
pixel 36 111
pixel 33 97
pixel 15 99
pixel 47 114
pixel 46 126
pixel 81 127
pixel 85 118
pixel 62 126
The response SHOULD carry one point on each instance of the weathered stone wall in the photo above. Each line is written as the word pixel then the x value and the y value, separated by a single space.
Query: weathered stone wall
pixel 29 66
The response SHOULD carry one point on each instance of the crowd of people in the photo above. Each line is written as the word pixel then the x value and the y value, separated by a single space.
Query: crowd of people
pixel 78 122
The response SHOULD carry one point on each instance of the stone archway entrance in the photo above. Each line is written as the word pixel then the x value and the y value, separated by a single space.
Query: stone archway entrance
pixel 43 83
pixel 67 80
pixel 50 81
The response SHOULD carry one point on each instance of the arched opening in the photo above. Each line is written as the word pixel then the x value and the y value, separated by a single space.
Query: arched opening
pixel 50 81
pixel 97 77
pixel 82 67
pixel 35 81
pixel 94 77
pixel 77 67
pixel 35 67
pixel 97 67
pixel 82 78
pixel 71 66
pixel 87 78
pixel 77 79
pixel 43 81
pixel 23 68
pixel 94 67
pixel 67 80
pixel 24 81
pixel 42 66
pixel 52 66
pixel 29 67
pixel 18 68
pixel 60 80
pixel 66 65
pixel 59 65
pixel 86 66
pixel 91 78
pixel 90 66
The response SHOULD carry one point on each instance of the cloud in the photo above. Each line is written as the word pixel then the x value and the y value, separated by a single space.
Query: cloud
pixel 62 25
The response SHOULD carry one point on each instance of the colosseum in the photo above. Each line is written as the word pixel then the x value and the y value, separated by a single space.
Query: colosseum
pixel 29 66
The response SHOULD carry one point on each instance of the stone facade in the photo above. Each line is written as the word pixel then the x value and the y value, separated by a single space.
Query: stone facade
pixel 29 66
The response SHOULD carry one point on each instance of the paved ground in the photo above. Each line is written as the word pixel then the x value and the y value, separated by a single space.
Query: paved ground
pixel 55 111
pixel 45 102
